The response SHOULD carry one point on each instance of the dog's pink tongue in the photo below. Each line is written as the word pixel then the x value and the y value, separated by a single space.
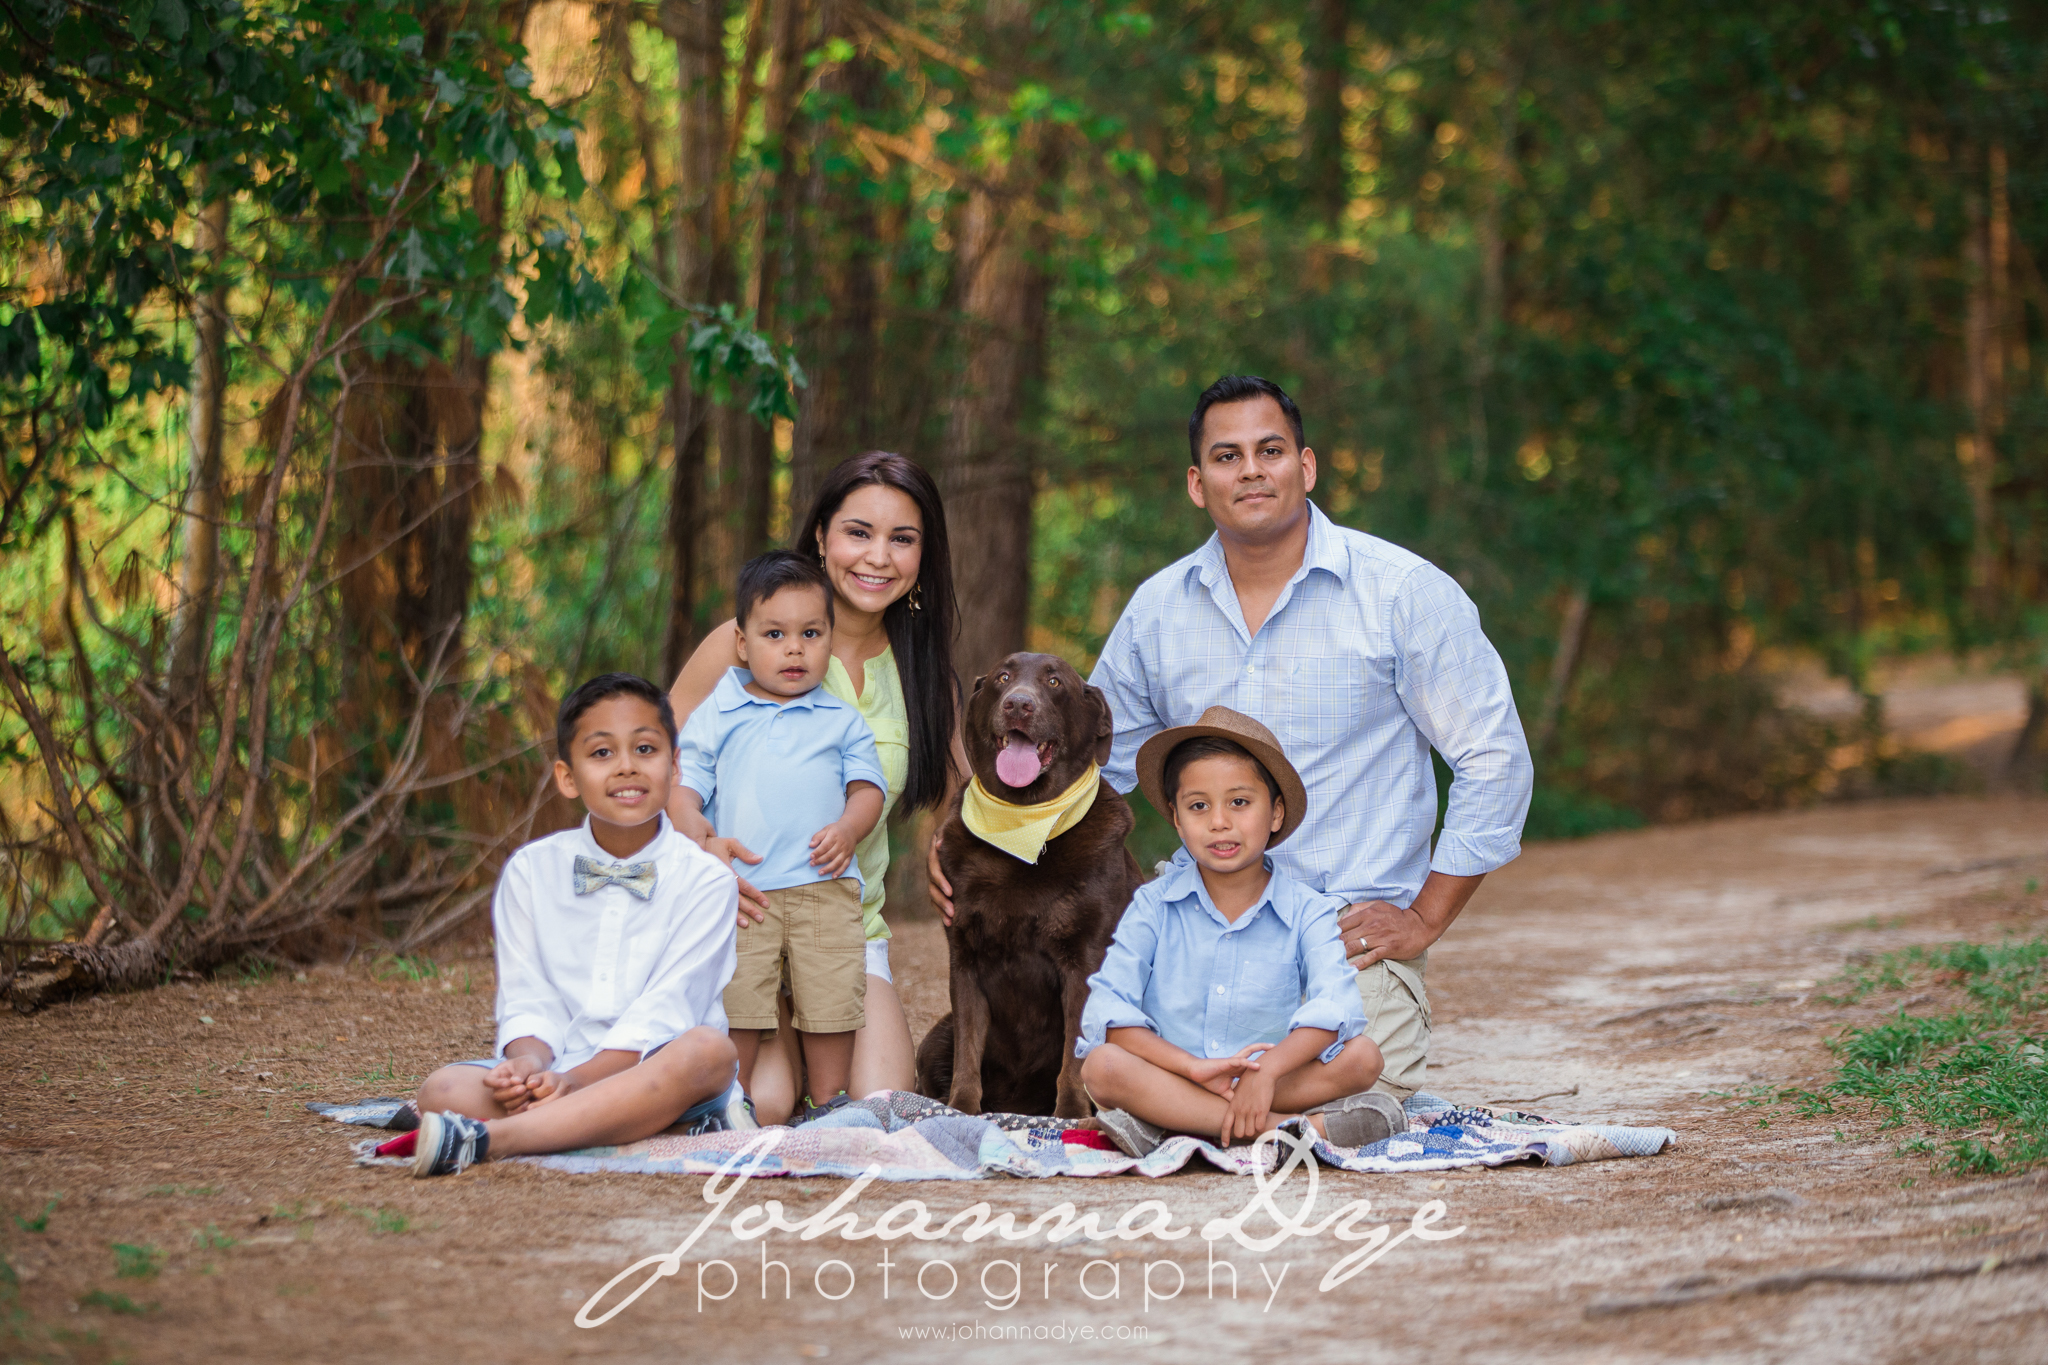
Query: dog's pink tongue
pixel 1018 763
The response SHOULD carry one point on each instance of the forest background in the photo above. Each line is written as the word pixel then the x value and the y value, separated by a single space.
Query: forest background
pixel 370 372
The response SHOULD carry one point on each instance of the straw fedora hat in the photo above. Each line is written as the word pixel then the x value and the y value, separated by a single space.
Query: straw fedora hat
pixel 1223 723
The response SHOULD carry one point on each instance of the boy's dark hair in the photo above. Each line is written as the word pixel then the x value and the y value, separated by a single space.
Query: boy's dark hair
pixel 767 574
pixel 1208 746
pixel 596 690
pixel 1239 388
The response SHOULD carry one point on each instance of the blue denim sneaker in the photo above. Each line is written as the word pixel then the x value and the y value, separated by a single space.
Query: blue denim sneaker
pixel 731 1112
pixel 449 1143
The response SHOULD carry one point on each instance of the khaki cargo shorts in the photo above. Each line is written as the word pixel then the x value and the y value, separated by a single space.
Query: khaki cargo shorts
pixel 814 935
pixel 1397 1018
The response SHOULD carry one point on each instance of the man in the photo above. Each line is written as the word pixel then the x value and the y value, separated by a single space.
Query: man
pixel 1361 657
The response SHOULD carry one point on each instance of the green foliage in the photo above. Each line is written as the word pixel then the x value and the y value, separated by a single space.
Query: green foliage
pixel 41 1222
pixel 133 1262
pixel 1560 813
pixel 211 1238
pixel 114 1303
pixel 1978 1075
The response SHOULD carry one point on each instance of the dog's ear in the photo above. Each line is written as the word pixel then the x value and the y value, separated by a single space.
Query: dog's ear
pixel 1105 723
pixel 977 684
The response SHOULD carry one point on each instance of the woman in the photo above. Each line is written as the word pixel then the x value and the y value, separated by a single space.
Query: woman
pixel 880 532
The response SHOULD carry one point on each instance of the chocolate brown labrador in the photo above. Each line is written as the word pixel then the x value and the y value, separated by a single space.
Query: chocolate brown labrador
pixel 1026 937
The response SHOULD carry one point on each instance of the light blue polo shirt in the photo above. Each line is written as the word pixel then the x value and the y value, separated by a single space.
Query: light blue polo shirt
pixel 774 774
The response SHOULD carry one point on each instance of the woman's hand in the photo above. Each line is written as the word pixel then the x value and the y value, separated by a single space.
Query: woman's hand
pixel 753 902
pixel 941 889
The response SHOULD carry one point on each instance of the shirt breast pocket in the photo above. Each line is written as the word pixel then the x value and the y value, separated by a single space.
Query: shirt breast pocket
pixel 1330 695
pixel 1269 986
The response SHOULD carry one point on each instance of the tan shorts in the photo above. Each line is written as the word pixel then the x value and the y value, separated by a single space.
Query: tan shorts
pixel 1397 1014
pixel 817 929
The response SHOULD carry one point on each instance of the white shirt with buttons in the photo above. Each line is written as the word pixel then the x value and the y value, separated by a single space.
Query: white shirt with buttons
pixel 609 971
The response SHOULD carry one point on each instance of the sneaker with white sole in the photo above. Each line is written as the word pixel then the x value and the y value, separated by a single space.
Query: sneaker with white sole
pixel 733 1113
pixel 1362 1119
pixel 1132 1135
pixel 449 1143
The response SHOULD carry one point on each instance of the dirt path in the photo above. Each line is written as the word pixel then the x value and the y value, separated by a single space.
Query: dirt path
pixel 1658 972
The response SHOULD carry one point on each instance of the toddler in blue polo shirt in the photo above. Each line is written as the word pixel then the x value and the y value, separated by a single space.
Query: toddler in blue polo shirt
pixel 775 771
pixel 1225 1004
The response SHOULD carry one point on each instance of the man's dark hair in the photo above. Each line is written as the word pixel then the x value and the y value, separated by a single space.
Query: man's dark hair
pixel 596 690
pixel 767 574
pixel 1208 746
pixel 1239 388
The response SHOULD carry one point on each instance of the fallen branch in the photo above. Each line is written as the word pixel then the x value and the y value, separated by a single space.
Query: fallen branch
pixel 1793 1281
pixel 1699 1002
pixel 1552 1095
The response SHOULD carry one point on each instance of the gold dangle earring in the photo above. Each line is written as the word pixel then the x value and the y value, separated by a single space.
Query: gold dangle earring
pixel 917 596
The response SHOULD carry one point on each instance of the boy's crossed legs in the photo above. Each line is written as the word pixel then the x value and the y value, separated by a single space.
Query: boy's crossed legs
pixel 1117 1078
pixel 635 1101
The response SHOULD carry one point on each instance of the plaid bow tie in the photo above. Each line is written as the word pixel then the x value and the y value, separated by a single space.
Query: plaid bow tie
pixel 592 875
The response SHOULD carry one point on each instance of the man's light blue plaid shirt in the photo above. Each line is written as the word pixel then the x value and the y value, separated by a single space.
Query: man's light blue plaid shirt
pixel 1370 657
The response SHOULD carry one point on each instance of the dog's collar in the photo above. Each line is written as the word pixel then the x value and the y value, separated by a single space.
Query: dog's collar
pixel 1024 831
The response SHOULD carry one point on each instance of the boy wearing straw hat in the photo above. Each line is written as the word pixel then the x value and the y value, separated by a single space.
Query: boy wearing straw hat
pixel 1225 1005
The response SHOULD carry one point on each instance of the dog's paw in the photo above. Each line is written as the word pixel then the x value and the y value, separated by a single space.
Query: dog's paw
pixel 1072 1106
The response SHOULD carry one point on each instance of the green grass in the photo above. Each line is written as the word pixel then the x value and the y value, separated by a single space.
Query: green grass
pixel 211 1238
pixel 137 1262
pixel 41 1222
pixel 400 966
pixel 1977 1076
pixel 117 1303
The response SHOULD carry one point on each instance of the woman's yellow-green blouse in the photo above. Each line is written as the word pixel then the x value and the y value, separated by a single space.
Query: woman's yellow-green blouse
pixel 881 703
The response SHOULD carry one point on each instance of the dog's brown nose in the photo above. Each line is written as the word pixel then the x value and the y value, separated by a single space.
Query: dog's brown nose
pixel 1020 703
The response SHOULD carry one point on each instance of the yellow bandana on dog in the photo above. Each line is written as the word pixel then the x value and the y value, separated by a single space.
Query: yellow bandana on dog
pixel 1024 831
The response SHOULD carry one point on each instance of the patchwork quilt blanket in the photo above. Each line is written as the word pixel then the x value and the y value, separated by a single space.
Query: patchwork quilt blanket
pixel 901 1136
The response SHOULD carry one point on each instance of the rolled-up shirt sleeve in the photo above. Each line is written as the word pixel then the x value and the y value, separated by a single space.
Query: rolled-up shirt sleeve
pixel 1455 689
pixel 528 1006
pixel 697 750
pixel 686 986
pixel 1120 673
pixel 1330 1000
pixel 858 760
pixel 1116 993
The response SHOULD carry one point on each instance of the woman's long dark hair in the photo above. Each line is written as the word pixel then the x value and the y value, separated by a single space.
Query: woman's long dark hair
pixel 922 640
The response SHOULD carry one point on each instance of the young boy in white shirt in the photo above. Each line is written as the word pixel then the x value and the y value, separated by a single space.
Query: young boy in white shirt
pixel 780 774
pixel 614 945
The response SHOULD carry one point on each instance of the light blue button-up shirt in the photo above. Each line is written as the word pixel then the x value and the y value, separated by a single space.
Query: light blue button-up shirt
pixel 774 774
pixel 1210 987
pixel 1370 657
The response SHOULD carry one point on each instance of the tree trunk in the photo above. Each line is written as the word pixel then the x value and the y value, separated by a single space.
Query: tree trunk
pixel 835 415
pixel 199 563
pixel 1986 257
pixel 986 466
pixel 1492 259
pixel 703 264
pixel 1571 637
pixel 1326 61
pixel 774 230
